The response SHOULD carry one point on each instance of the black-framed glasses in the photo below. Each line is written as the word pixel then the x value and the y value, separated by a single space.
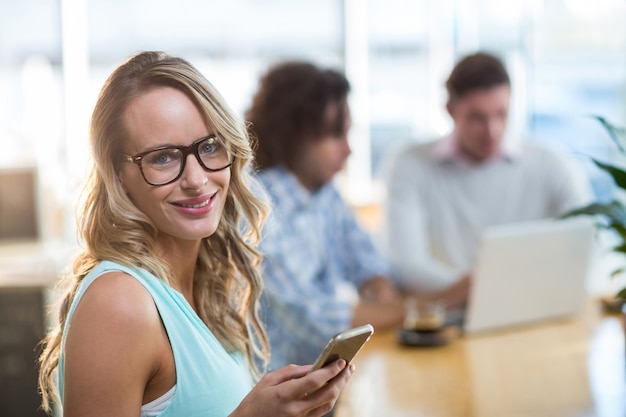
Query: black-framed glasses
pixel 166 164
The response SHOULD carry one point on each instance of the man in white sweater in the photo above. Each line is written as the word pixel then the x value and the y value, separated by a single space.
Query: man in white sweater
pixel 442 194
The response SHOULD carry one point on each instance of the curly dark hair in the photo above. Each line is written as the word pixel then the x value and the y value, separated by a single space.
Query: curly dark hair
pixel 478 71
pixel 289 109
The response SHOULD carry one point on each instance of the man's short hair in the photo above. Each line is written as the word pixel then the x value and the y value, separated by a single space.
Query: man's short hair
pixel 479 71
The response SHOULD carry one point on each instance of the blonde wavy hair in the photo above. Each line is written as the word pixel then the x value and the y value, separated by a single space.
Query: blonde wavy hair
pixel 227 282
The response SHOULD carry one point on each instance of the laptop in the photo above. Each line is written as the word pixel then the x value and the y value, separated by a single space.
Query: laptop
pixel 530 272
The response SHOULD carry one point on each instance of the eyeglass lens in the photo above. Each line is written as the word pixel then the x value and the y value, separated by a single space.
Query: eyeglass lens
pixel 165 165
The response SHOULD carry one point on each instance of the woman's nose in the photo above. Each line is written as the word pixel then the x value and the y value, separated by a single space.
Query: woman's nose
pixel 194 175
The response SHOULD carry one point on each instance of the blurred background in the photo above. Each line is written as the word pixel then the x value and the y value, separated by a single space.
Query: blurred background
pixel 567 59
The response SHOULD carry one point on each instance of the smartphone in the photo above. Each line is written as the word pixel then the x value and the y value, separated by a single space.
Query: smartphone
pixel 344 346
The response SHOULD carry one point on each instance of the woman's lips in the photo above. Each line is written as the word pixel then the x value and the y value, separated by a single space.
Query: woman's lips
pixel 197 206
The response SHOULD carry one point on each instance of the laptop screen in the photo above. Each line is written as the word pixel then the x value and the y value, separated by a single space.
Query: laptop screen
pixel 530 272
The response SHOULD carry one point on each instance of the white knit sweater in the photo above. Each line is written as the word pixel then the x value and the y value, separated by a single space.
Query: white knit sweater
pixel 436 208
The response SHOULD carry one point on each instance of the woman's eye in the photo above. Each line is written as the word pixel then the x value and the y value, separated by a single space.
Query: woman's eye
pixel 161 157
pixel 210 146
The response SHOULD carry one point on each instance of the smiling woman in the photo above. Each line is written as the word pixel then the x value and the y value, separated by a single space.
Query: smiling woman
pixel 159 317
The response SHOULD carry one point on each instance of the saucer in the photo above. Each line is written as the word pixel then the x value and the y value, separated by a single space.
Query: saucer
pixel 437 337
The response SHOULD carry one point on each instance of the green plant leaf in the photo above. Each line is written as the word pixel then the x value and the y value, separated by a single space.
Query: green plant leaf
pixel 620 248
pixel 617 133
pixel 618 174
pixel 619 229
pixel 614 211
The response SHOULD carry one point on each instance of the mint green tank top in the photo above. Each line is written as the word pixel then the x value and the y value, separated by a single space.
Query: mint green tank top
pixel 210 382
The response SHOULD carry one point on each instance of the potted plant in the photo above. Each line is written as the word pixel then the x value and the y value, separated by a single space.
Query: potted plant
pixel 611 215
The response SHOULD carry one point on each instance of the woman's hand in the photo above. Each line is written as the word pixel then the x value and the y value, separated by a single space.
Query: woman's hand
pixel 291 392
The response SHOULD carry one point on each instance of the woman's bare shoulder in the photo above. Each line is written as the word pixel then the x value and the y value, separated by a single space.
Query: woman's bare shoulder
pixel 117 297
pixel 112 344
pixel 119 292
pixel 116 306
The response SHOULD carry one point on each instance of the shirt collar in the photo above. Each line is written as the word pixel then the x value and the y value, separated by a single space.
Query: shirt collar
pixel 447 150
pixel 290 192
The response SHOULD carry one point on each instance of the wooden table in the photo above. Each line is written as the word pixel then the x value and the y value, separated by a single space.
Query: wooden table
pixel 574 367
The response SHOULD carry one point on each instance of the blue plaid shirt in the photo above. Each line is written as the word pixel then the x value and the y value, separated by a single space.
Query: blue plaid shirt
pixel 312 247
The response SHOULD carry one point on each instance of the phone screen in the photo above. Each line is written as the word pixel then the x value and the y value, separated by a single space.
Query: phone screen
pixel 344 345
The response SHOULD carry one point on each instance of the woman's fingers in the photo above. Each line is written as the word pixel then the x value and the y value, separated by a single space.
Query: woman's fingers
pixel 294 391
pixel 323 399
pixel 284 374
pixel 296 382
pixel 321 377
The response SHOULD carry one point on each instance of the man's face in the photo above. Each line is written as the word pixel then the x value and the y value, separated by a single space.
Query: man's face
pixel 480 119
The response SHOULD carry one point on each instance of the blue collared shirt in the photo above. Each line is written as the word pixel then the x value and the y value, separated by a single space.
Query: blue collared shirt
pixel 312 247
